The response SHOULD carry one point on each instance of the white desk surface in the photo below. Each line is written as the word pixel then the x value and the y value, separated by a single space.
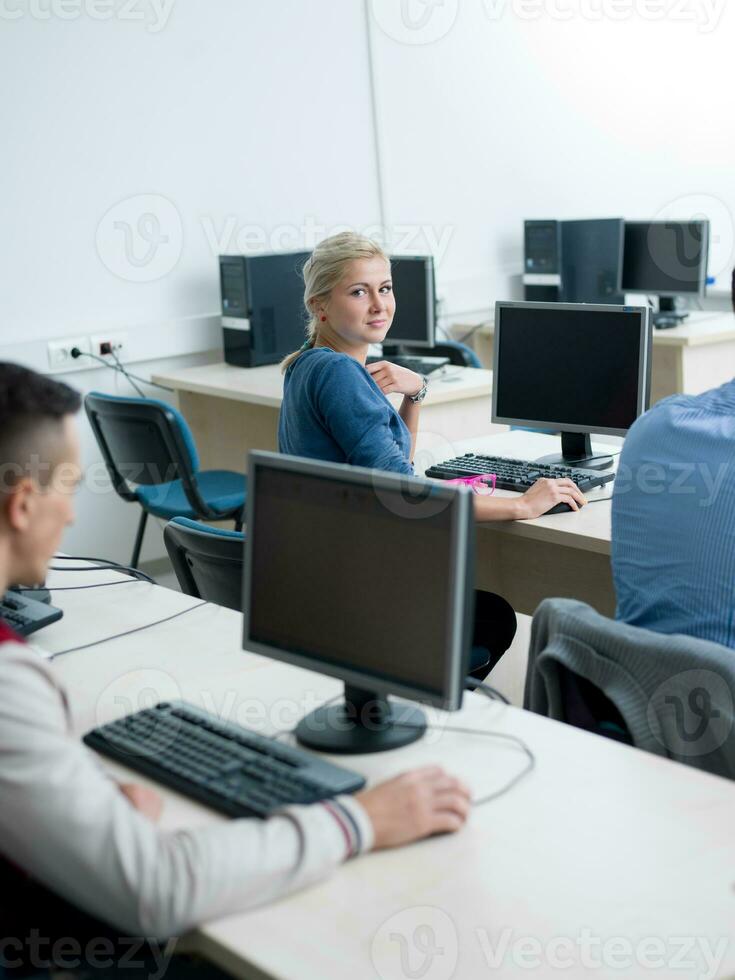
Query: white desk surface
pixel 599 843
pixel 264 385
pixel 700 329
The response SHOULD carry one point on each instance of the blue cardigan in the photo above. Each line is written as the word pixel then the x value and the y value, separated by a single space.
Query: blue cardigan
pixel 333 410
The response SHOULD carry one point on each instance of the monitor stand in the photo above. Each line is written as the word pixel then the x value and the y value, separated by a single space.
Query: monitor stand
pixel 576 450
pixel 669 314
pixel 364 722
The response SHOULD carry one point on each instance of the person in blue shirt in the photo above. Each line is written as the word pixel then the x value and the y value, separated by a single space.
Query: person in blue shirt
pixel 335 406
pixel 673 518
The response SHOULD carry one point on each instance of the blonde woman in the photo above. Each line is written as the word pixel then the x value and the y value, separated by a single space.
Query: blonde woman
pixel 335 406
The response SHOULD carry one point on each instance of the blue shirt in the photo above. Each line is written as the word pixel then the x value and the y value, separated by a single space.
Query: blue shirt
pixel 333 410
pixel 673 518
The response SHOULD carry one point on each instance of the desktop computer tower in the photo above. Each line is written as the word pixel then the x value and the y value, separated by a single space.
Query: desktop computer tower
pixel 263 313
pixel 542 261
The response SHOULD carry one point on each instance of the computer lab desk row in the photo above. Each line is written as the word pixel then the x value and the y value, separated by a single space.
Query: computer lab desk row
pixel 232 410
pixel 603 861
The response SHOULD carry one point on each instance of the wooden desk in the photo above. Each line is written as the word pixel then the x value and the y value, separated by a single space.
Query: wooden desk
pixel 232 410
pixel 600 844
pixel 565 555
pixel 692 358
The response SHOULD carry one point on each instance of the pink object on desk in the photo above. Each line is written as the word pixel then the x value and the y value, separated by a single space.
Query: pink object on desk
pixel 483 484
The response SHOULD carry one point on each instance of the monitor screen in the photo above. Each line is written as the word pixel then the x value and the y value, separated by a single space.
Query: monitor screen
pixel 592 260
pixel 323 588
pixel 413 288
pixel 575 368
pixel 665 258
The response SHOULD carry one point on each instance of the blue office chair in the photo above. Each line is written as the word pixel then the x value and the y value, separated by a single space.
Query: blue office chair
pixel 152 460
pixel 207 560
pixel 459 354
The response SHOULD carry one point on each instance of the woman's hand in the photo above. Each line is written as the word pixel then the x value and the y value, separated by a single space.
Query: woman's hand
pixel 390 377
pixel 545 494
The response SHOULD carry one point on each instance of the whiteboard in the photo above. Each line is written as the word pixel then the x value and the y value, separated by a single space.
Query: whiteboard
pixel 133 153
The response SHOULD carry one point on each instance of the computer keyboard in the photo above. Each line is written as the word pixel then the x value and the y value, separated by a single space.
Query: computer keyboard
pixel 421 365
pixel 517 474
pixel 25 615
pixel 220 764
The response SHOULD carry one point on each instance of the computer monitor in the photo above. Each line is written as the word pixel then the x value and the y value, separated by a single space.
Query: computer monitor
pixel 666 259
pixel 574 368
pixel 363 576
pixel 415 293
pixel 592 260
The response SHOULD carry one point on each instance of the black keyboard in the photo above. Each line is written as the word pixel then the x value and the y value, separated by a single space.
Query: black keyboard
pixel 517 474
pixel 26 615
pixel 222 765
pixel 421 365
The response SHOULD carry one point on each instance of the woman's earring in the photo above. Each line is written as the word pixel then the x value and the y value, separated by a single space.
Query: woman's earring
pixel 324 319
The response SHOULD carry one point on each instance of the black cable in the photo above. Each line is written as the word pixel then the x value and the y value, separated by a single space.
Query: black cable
pixel 471 684
pixel 118 636
pixel 104 563
pixel 75 588
pixel 598 500
pixel 120 367
pixel 76 353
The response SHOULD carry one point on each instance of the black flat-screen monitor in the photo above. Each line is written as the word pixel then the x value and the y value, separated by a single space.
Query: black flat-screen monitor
pixel 666 258
pixel 573 368
pixel 415 295
pixel 322 590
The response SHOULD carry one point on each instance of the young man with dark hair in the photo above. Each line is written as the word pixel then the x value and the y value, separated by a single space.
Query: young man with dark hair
pixel 76 831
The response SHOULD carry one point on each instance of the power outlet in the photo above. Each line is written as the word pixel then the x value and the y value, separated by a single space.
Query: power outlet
pixel 59 354
pixel 115 340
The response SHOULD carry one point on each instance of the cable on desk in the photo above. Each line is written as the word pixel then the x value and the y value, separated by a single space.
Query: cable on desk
pixel 104 563
pixel 598 500
pixel 118 636
pixel 76 352
pixel 493 693
pixel 75 588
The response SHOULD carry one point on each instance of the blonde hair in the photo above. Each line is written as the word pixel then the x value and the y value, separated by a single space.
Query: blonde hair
pixel 323 270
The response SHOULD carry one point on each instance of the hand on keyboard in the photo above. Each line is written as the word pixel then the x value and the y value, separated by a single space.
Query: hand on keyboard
pixel 545 494
pixel 391 378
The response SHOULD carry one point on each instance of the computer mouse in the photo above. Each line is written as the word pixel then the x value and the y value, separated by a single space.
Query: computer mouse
pixel 559 509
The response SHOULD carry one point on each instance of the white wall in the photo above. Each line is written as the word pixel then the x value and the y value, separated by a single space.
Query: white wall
pixel 512 113
pixel 135 151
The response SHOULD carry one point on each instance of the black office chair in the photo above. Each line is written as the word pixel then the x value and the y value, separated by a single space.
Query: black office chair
pixel 459 354
pixel 152 460
pixel 207 560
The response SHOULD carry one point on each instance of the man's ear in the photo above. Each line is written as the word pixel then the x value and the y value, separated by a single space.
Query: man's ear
pixel 20 505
